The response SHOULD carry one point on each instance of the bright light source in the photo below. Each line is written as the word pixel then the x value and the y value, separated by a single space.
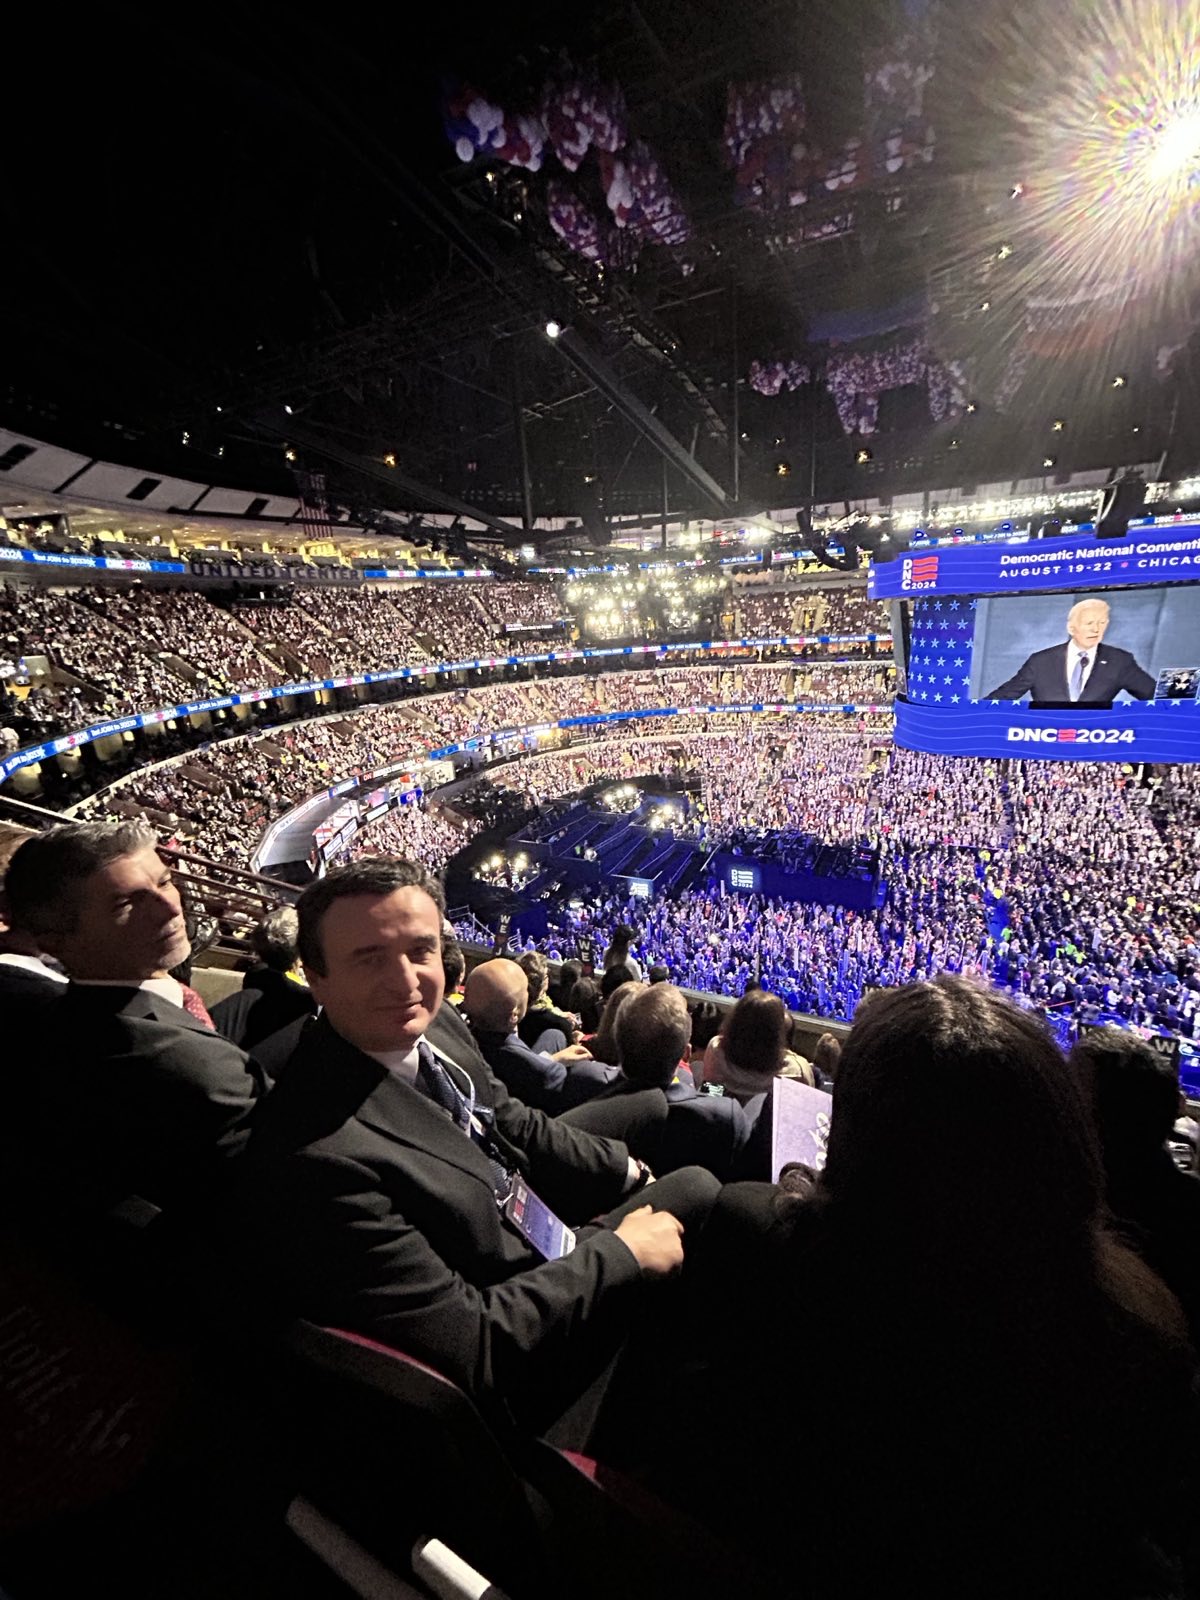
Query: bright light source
pixel 289 411
pixel 1120 381
pixel 1175 147
pixel 1048 461
pixel 553 329
pixel 1058 425
pixel 389 460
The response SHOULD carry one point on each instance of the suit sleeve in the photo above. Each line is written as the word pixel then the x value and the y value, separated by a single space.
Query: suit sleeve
pixel 1017 686
pixel 536 1079
pixel 534 1342
pixel 577 1174
pixel 1137 682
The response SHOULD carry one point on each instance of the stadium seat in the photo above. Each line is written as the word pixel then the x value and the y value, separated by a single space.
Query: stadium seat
pixel 394 1453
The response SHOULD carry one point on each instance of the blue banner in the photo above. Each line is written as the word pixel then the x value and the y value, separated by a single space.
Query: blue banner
pixel 55 558
pixel 1151 730
pixel 1146 555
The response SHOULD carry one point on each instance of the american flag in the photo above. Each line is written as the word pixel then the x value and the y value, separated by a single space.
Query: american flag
pixel 314 508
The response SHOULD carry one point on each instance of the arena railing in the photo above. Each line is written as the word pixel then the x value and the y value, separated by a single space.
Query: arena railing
pixel 132 721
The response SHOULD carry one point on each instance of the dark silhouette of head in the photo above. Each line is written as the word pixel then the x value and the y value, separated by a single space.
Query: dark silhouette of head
pixel 653 1033
pixel 960 1131
pixel 614 977
pixel 755 1033
pixel 1135 1094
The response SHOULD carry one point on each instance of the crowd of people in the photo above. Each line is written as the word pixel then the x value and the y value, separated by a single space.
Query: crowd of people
pixel 138 648
pixel 985 1238
pixel 1074 887
pixel 809 610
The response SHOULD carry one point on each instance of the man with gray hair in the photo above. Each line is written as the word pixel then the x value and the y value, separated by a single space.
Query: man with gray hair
pixel 1085 670
pixel 130 1089
pixel 273 993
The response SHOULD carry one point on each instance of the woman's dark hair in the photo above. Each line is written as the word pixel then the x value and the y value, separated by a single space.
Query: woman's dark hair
pixel 827 1055
pixel 604 1045
pixel 569 974
pixel 706 1024
pixel 755 1033
pixel 622 937
pixel 584 1000
pixel 614 977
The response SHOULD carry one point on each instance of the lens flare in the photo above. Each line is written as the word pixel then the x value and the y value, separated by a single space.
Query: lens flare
pixel 1110 160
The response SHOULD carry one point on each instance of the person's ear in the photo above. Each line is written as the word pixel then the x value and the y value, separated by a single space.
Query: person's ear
pixel 316 983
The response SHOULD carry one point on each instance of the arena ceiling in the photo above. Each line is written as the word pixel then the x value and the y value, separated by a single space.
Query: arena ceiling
pixel 255 247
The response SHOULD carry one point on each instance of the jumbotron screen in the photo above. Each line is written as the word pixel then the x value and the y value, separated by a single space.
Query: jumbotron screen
pixel 1082 652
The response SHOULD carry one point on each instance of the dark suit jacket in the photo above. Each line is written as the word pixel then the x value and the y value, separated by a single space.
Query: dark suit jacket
pixel 266 1002
pixel 1044 677
pixel 539 1080
pixel 698 1130
pixel 19 984
pixel 368 1209
pixel 127 1095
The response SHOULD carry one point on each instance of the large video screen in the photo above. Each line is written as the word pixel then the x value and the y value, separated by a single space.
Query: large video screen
pixel 1092 674
pixel 1087 648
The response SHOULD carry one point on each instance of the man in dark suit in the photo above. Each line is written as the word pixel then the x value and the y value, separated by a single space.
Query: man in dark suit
pixel 1083 671
pixel 270 996
pixel 494 1002
pixel 130 1094
pixel 378 1167
pixel 653 1034
pixel 25 979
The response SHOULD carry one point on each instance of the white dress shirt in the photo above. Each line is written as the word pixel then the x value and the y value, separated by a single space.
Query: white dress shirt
pixel 403 1063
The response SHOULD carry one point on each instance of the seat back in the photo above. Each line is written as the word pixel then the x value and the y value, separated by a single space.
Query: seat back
pixel 392 1450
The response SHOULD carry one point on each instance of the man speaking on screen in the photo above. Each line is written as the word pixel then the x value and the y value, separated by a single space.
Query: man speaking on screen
pixel 1084 670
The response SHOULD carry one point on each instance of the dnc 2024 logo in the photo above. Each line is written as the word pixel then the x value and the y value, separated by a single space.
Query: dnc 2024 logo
pixel 919 572
pixel 1025 735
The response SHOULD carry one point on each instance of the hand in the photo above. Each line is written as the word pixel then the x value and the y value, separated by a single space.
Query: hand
pixel 573 1052
pixel 656 1239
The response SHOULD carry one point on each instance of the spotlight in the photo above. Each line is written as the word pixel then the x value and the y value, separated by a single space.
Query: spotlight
pixel 1057 425
pixel 1004 252
pixel 289 454
pixel 1048 461
pixel 862 457
pixel 1120 381
pixel 972 408
pixel 553 329
pixel 289 411
pixel 389 460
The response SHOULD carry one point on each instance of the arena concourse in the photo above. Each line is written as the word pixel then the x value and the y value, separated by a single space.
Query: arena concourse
pixel 600 814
